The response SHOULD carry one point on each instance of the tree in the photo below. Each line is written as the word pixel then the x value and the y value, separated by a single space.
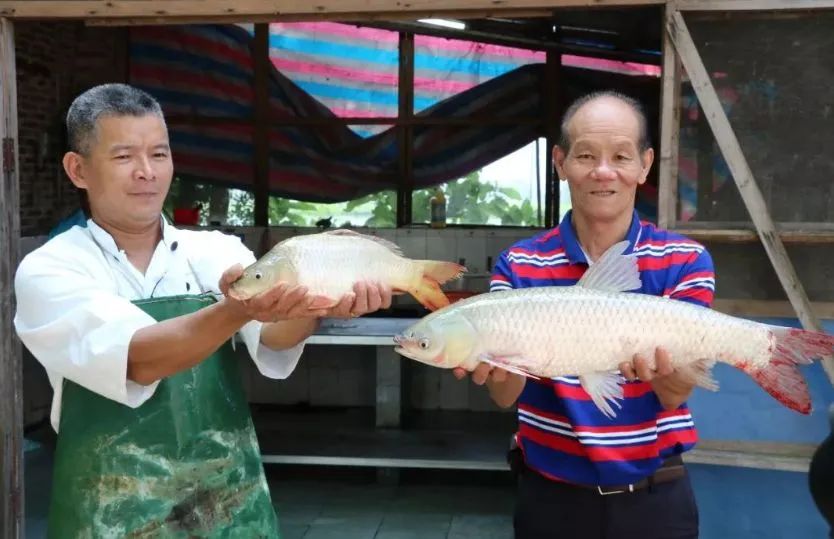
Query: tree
pixel 468 201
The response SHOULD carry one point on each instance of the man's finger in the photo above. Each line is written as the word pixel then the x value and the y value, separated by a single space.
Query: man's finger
pixel 342 309
pixel 374 298
pixel 292 297
pixel 459 373
pixel 481 373
pixel 628 371
pixel 265 300
pixel 663 363
pixel 499 375
pixel 386 297
pixel 229 276
pixel 641 367
pixel 361 303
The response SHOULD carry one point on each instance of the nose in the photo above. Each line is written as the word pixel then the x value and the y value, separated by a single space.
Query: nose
pixel 144 169
pixel 603 171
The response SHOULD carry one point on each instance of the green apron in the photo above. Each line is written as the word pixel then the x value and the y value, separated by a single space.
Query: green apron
pixel 186 463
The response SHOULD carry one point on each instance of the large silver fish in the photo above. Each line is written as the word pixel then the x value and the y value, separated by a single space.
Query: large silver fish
pixel 587 330
pixel 330 263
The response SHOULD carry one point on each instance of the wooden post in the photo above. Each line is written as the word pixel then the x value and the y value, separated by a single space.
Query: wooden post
pixel 260 127
pixel 11 367
pixel 405 130
pixel 553 98
pixel 743 176
pixel 670 108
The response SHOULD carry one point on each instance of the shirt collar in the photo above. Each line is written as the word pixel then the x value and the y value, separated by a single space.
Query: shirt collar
pixel 108 244
pixel 576 255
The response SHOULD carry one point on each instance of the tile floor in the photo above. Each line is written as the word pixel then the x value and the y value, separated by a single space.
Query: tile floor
pixel 348 503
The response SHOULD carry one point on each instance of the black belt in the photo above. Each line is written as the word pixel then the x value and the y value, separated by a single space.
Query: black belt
pixel 671 469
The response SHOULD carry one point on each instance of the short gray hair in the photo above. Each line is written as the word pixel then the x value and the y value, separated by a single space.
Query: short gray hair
pixel 105 100
pixel 643 142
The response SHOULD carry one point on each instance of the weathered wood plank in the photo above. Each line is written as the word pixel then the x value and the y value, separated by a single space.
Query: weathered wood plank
pixel 670 94
pixel 742 175
pixel 90 9
pixel 376 16
pixel 11 368
pixel 757 455
pixel 738 235
pixel 758 308
pixel 262 66
pixel 752 5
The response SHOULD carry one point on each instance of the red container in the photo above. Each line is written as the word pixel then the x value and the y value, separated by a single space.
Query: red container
pixel 186 216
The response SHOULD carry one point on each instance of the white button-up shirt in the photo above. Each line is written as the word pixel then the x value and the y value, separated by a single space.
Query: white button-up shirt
pixel 74 310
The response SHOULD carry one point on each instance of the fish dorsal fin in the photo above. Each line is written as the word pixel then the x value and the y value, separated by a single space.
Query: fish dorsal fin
pixel 613 272
pixel 390 245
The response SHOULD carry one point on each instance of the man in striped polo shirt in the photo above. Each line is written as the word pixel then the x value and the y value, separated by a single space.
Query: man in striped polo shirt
pixel 583 475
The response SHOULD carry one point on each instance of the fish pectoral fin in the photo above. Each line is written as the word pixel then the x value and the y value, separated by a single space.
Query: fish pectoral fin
pixel 603 387
pixel 700 374
pixel 613 272
pixel 510 363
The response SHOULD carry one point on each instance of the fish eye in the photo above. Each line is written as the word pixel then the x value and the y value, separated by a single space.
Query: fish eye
pixel 258 275
pixel 424 343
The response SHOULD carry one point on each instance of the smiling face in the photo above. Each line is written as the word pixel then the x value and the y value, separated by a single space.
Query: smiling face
pixel 604 164
pixel 126 170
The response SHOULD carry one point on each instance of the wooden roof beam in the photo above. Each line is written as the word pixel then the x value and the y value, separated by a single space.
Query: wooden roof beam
pixel 247 9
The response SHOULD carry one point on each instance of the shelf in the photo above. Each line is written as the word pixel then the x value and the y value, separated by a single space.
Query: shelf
pixel 456 440
pixel 790 233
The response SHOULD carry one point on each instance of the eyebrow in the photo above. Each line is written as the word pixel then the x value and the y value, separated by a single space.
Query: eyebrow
pixel 119 147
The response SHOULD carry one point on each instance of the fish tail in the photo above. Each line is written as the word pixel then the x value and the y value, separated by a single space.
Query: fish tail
pixel 429 294
pixel 440 271
pixel 790 347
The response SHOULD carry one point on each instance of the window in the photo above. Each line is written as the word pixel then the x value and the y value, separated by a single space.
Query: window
pixel 508 192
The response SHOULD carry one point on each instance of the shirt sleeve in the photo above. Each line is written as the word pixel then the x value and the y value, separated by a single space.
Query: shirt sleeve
pixel 696 280
pixel 228 250
pixel 502 277
pixel 77 328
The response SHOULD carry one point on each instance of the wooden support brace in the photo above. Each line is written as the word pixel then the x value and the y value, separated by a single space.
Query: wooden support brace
pixel 11 368
pixel 670 94
pixel 742 175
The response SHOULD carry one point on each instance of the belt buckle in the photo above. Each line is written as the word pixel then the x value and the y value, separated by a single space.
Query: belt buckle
pixel 609 492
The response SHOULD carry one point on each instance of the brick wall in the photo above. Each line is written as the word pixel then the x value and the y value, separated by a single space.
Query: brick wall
pixel 55 62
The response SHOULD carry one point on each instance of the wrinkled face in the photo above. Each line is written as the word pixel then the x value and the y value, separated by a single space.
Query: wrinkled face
pixel 262 276
pixel 126 170
pixel 440 341
pixel 604 164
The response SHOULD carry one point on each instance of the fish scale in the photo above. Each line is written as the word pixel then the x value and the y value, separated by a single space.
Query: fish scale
pixel 588 329
pixel 330 263
pixel 555 329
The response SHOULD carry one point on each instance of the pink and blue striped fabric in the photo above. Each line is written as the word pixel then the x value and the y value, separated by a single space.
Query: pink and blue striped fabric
pixel 329 70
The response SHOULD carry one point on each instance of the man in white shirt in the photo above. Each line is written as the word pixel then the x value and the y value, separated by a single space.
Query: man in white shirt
pixel 155 435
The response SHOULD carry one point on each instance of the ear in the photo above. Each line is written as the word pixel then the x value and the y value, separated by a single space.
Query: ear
pixel 559 157
pixel 74 167
pixel 646 161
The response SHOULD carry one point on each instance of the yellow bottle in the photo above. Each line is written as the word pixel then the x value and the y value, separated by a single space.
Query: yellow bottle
pixel 438 209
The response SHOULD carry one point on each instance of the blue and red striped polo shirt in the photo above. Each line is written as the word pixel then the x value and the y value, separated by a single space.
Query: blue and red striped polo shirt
pixel 560 431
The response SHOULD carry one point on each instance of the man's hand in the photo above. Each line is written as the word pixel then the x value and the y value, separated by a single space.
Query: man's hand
pixel 482 373
pixel 671 386
pixel 365 298
pixel 281 302
pixel 504 387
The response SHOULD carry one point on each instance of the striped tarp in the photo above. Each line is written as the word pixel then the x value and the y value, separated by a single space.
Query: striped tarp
pixel 327 70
